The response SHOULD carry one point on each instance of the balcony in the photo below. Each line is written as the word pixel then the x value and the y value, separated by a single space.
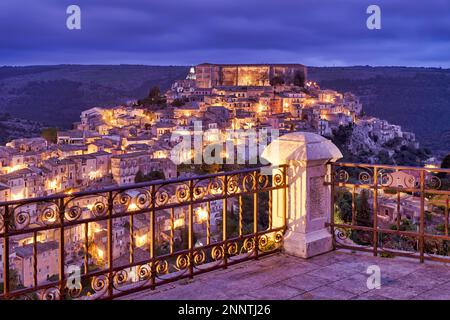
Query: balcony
pixel 301 228
pixel 338 275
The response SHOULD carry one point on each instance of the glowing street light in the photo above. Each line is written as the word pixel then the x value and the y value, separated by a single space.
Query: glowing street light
pixel 52 184
pixel 202 214
pixel 141 240
pixel 132 207
pixel 100 253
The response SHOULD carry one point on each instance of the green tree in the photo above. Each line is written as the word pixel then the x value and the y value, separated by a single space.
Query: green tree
pixel 232 225
pixel 183 243
pixel 344 205
pixel 276 81
pixel 154 92
pixel 178 102
pixel 384 158
pixel 291 127
pixel 362 219
pixel 342 135
pixel 363 209
pixel 299 79
pixel 210 168
pixel 154 98
pixel 140 177
pixel 13 281
pixel 446 162
pixel 50 134
pixel 154 175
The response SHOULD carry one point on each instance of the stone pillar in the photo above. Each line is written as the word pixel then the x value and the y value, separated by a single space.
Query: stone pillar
pixel 308 198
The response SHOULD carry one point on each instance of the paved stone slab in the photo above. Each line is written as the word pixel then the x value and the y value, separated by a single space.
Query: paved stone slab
pixel 336 275
pixel 370 295
pixel 327 293
pixel 356 284
pixel 305 282
pixel 276 291
pixel 437 293
pixel 333 272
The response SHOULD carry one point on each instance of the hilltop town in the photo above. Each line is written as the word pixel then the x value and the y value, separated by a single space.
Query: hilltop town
pixel 221 97
pixel 120 145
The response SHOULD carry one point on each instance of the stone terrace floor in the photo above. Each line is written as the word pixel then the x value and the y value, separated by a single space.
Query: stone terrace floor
pixel 335 275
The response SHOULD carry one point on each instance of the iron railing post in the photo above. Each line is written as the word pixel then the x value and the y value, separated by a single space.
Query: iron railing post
pixel 131 230
pixel 285 198
pixel 86 248
pixel 255 215
pixel 153 238
pixel 224 223
pixel 333 239
pixel 35 266
pixel 446 215
pixel 172 230
pixel 375 211
pixel 110 245
pixel 62 275
pixel 208 223
pixel 191 231
pixel 422 216
pixel 6 222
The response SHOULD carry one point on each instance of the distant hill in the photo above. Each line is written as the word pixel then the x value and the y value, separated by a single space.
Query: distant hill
pixel 57 94
pixel 418 99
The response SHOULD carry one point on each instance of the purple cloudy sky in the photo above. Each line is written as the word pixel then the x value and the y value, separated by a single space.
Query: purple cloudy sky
pixel 313 32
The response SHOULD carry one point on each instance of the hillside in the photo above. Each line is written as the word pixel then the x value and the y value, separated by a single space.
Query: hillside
pixel 56 95
pixel 416 98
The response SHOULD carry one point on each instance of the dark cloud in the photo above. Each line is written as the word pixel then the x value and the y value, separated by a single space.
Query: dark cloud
pixel 314 32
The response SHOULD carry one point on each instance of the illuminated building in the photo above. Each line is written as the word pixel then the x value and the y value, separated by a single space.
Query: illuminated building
pixel 213 75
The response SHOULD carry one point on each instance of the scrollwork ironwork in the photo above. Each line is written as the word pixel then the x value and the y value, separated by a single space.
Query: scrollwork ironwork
pixel 144 272
pixel 233 185
pixel 161 267
pixel 89 214
pixel 21 219
pixel 50 214
pixel 278 179
pixel 50 294
pixel 341 176
pixel 199 257
pixel 263 241
pixel 249 244
pixel 120 278
pixel 342 233
pixel 249 182
pixel 73 213
pixel 182 193
pixel 100 283
pixel 182 262
pixel 232 248
pixel 278 237
pixel 433 182
pixel 365 177
pixel 217 253
pixel 216 186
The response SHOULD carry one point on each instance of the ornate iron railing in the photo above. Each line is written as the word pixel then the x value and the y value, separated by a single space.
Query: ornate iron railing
pixel 113 242
pixel 391 210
